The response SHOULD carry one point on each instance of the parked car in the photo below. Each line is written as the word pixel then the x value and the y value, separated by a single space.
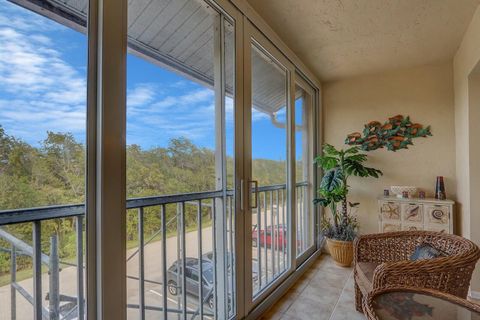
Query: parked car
pixel 174 279
pixel 209 257
pixel 277 234
pixel 229 257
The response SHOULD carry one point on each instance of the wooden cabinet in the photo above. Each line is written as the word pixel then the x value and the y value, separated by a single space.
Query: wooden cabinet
pixel 397 214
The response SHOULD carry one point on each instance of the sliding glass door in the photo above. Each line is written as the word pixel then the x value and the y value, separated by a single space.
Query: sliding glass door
pixel 270 225
pixel 268 170
pixel 304 153
pixel 180 161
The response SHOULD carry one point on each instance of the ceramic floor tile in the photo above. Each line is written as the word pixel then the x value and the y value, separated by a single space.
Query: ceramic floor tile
pixel 345 307
pixel 330 267
pixel 345 312
pixel 300 285
pixel 285 302
pixel 349 289
pixel 325 292
pixel 347 298
pixel 308 308
pixel 323 279
pixel 309 274
pixel 290 317
pixel 272 315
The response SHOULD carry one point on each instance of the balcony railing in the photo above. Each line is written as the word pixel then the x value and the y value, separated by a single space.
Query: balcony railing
pixel 172 211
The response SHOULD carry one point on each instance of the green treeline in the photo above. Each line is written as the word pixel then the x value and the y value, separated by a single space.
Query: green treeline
pixel 54 173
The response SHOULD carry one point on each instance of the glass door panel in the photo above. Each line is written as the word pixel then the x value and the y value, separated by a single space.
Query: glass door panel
pixel 269 169
pixel 267 157
pixel 180 160
pixel 304 117
pixel 43 141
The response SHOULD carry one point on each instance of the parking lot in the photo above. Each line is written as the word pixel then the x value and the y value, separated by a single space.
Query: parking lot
pixel 153 278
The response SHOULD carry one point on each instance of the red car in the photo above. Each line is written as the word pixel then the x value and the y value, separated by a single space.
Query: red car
pixel 276 234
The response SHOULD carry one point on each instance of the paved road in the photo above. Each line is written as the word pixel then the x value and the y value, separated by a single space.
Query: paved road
pixel 153 271
pixel 153 266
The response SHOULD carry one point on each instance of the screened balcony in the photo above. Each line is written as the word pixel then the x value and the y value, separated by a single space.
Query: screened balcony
pixel 157 156
pixel 217 212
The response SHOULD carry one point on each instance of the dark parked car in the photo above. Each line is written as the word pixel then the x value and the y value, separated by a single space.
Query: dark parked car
pixel 174 279
pixel 209 258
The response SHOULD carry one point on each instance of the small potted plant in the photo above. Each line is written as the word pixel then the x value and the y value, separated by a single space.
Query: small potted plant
pixel 341 229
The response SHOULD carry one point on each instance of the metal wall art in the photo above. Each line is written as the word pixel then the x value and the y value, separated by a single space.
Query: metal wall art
pixel 395 134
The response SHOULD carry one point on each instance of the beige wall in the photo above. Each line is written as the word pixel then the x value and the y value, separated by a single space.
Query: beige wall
pixel 424 93
pixel 467 131
pixel 445 96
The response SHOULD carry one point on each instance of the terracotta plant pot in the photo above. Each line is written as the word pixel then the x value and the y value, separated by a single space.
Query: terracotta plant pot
pixel 341 251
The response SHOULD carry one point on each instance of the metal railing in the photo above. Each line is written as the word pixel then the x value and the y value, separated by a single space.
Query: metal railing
pixel 271 253
pixel 212 203
pixel 74 307
pixel 270 233
pixel 305 220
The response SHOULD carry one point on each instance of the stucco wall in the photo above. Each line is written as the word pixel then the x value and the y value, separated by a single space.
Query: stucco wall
pixel 467 132
pixel 424 93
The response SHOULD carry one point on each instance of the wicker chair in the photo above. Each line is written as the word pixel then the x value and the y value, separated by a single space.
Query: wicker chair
pixel 382 261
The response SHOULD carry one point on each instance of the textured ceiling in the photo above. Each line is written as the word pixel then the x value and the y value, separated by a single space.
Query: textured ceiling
pixel 345 38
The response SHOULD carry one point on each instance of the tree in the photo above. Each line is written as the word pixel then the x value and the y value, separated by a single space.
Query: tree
pixel 5 147
pixel 63 165
pixel 54 174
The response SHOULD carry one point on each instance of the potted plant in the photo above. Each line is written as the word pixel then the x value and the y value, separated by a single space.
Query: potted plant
pixel 341 229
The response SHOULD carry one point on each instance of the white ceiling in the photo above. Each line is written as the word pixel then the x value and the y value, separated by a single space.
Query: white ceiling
pixel 345 38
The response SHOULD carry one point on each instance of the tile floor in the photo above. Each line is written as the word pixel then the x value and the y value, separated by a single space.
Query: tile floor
pixel 325 292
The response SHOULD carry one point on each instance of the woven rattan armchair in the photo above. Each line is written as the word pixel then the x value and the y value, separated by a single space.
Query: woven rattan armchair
pixel 382 261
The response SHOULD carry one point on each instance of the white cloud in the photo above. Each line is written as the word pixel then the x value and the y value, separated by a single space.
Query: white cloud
pixel 39 89
pixel 259 115
pixel 179 84
pixel 18 18
pixel 189 114
pixel 139 96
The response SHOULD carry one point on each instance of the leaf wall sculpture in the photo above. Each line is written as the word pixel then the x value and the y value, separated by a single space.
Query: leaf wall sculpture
pixel 395 134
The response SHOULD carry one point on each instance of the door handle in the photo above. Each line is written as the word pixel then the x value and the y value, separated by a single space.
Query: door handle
pixel 255 192
pixel 241 194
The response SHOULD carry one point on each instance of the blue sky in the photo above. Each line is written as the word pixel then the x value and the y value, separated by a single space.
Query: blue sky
pixel 43 87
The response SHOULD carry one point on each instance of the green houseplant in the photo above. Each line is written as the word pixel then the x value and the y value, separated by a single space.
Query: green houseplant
pixel 341 229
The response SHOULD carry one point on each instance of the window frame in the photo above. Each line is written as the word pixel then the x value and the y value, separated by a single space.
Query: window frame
pixel 310 90
pixel 106 183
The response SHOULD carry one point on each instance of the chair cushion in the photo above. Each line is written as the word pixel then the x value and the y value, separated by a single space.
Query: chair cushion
pixel 365 275
pixel 426 251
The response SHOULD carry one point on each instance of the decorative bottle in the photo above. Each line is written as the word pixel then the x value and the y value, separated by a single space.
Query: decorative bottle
pixel 440 189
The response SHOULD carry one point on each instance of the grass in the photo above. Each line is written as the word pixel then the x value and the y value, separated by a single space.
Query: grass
pixel 23 274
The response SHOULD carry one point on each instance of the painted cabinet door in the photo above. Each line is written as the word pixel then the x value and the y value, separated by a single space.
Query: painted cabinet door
pixel 391 226
pixel 411 227
pixel 412 213
pixel 437 214
pixel 390 210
